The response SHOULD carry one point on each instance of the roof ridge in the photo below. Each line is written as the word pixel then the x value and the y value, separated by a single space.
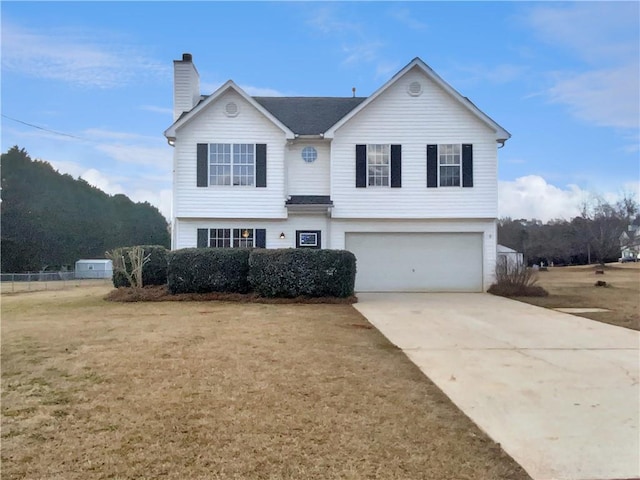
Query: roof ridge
pixel 303 96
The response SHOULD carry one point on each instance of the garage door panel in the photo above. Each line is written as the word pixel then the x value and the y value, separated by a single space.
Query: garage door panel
pixel 417 262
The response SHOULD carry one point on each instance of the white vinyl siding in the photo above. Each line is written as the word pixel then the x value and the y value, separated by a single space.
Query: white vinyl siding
pixel 307 178
pixel 186 230
pixel 414 122
pixel 227 201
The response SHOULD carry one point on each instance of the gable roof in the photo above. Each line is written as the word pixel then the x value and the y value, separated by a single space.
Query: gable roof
pixel 309 115
pixel 229 85
pixel 501 134
pixel 324 115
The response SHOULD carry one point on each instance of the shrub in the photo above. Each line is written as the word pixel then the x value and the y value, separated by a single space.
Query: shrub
pixel 202 270
pixel 154 272
pixel 299 272
pixel 517 291
pixel 515 279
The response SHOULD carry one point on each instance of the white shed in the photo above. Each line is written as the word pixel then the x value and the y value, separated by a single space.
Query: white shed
pixel 509 255
pixel 94 268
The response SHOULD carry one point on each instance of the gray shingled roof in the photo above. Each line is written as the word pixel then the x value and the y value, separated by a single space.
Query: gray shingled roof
pixel 309 115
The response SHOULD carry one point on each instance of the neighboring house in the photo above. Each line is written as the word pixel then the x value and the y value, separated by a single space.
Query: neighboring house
pixel 510 256
pixel 406 178
pixel 630 243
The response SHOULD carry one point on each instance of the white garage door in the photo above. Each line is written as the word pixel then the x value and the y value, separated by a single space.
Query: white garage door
pixel 417 262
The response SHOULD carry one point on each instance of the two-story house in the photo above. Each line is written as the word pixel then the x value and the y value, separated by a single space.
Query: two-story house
pixel 406 178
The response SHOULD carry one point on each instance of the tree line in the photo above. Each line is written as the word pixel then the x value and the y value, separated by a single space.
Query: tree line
pixel 50 220
pixel 591 237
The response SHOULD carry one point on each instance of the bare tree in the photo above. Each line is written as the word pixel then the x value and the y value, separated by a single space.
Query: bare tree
pixel 130 267
pixel 605 223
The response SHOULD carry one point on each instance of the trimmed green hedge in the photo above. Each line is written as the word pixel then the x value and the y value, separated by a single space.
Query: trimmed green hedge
pixel 202 270
pixel 154 272
pixel 301 272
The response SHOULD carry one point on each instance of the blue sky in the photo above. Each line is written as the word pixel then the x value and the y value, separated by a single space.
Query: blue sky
pixel 563 78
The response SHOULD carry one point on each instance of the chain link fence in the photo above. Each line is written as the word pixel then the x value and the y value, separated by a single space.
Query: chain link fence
pixel 25 282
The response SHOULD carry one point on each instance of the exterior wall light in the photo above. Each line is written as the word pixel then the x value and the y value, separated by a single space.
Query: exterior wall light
pixel 282 236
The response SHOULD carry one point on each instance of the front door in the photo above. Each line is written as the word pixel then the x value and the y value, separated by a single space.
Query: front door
pixel 308 239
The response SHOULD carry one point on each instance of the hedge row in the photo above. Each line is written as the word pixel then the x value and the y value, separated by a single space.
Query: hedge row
pixel 154 272
pixel 269 273
pixel 203 270
pixel 298 272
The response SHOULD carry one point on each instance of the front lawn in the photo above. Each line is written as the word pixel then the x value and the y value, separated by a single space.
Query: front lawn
pixel 571 287
pixel 205 390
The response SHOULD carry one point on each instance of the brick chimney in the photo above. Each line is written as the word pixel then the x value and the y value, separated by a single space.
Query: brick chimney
pixel 186 85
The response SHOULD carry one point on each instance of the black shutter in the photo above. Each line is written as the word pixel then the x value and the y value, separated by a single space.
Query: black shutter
pixel 261 238
pixel 361 166
pixel 432 166
pixel 203 237
pixel 467 165
pixel 261 165
pixel 202 167
pixel 396 166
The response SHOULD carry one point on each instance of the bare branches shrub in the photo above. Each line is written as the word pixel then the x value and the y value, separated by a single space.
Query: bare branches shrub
pixel 130 267
pixel 514 279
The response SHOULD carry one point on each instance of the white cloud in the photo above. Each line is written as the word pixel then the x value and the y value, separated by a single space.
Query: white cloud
pixel 596 31
pixel 609 98
pixel 328 21
pixel 207 88
pixel 404 16
pixel 261 91
pixel 102 181
pixel 494 74
pixel 604 36
pixel 76 57
pixel 105 182
pixel 532 197
pixel 359 52
pixel 102 134
pixel 158 157
pixel 357 43
pixel 159 197
pixel 156 109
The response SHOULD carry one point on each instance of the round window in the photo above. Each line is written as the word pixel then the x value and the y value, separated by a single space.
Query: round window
pixel 309 154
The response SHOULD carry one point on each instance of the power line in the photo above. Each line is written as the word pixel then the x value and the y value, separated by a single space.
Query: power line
pixel 42 128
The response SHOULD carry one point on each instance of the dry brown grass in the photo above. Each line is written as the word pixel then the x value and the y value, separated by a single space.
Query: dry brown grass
pixel 575 287
pixel 195 390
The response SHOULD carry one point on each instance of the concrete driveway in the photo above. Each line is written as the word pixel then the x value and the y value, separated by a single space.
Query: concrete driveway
pixel 560 393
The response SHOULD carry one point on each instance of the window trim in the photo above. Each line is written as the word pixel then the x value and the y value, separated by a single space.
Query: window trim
pixel 234 234
pixel 232 164
pixel 388 165
pixel 439 165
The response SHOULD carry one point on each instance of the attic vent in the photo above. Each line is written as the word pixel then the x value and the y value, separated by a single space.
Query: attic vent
pixel 231 109
pixel 414 89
